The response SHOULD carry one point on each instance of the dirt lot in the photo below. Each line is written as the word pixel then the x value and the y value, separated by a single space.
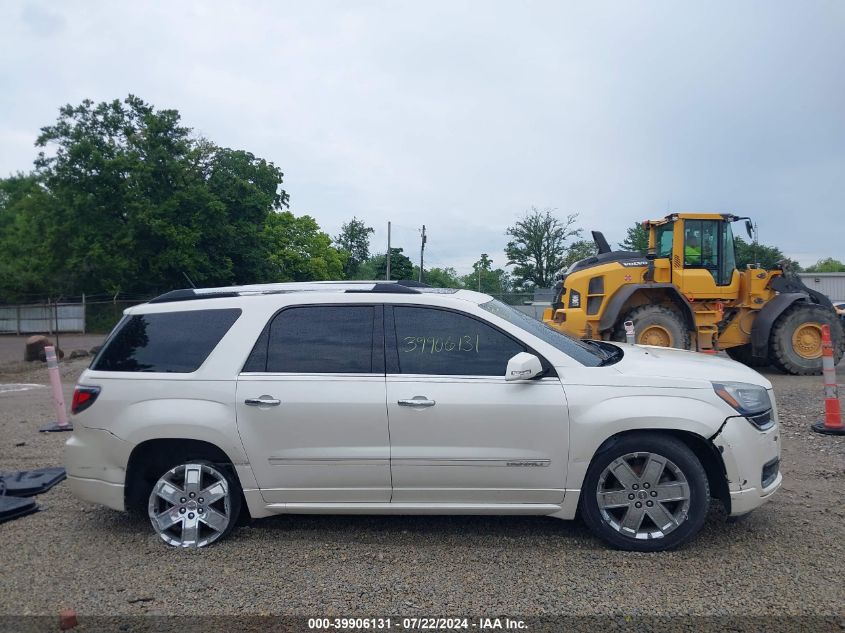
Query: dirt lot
pixel 787 558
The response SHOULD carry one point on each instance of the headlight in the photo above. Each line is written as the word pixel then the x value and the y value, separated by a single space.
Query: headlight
pixel 745 398
pixel 750 401
pixel 574 299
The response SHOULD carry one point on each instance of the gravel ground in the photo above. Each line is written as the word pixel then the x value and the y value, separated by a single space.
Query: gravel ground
pixel 784 559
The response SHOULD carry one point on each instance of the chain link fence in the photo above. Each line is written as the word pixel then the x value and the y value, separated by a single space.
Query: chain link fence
pixel 102 316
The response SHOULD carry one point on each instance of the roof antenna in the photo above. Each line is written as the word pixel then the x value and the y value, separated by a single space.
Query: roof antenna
pixel 189 279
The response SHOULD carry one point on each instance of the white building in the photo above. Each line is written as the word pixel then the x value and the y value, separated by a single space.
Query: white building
pixel 830 284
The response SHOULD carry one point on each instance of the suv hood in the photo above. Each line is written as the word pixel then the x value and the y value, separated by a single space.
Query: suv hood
pixel 648 361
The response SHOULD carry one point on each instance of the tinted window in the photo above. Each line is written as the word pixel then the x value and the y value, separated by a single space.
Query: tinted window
pixel 322 340
pixel 431 341
pixel 257 360
pixel 167 342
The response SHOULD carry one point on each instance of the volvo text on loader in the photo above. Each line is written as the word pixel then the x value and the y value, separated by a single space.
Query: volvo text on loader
pixel 687 293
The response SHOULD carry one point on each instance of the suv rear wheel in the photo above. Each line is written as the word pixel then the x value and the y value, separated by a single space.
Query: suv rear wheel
pixel 194 504
pixel 645 492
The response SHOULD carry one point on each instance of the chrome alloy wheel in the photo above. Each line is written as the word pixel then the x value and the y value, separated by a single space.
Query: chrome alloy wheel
pixel 190 505
pixel 643 495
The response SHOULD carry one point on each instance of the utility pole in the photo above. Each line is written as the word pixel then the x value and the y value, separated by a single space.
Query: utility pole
pixel 755 243
pixel 388 251
pixel 422 249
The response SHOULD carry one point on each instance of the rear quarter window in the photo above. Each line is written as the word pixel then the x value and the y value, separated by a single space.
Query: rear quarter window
pixel 171 342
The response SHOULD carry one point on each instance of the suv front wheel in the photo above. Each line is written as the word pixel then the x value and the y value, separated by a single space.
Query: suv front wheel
pixel 194 504
pixel 645 492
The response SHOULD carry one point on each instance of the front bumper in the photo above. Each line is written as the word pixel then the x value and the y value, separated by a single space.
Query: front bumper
pixel 747 452
pixel 744 501
pixel 96 466
pixel 98 491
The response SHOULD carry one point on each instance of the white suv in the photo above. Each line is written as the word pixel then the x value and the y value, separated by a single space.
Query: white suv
pixel 206 406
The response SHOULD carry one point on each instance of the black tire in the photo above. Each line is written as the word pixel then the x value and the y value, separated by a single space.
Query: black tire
pixel 782 352
pixel 678 455
pixel 657 317
pixel 229 506
pixel 742 354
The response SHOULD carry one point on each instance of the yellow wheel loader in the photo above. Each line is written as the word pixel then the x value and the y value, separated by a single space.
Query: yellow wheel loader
pixel 687 293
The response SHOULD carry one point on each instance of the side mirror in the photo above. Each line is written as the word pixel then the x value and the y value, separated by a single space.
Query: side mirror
pixel 523 366
pixel 749 228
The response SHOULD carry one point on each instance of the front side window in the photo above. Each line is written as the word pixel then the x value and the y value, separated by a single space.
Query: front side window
pixel 318 340
pixel 663 237
pixel 439 342
pixel 171 342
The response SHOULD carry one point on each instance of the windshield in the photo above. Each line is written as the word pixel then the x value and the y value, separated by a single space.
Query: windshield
pixel 584 353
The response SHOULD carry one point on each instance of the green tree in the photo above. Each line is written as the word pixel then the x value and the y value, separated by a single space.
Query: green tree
pixel 748 253
pixel 538 247
pixel 577 251
pixel 354 240
pixel 400 266
pixel 125 198
pixel 827 265
pixel 25 211
pixel 367 270
pixel 439 277
pixel 636 239
pixel 484 278
pixel 140 202
pixel 297 250
pixel 249 190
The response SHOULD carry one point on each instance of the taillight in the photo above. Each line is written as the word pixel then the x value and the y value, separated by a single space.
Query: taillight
pixel 83 397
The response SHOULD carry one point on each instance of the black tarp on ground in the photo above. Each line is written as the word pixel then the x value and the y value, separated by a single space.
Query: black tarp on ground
pixel 14 507
pixel 26 483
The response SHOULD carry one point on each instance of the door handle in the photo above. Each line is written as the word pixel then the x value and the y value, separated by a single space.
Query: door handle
pixel 263 401
pixel 417 401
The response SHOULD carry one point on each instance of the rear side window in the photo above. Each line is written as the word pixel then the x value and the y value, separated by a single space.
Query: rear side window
pixel 321 340
pixel 175 342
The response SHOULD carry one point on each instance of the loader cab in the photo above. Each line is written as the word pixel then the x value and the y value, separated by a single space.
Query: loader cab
pixel 696 251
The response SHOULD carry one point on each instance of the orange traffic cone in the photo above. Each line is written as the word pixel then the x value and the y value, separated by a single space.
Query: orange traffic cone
pixel 832 424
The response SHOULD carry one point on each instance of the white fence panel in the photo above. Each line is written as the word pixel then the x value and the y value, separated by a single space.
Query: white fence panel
pixel 35 319
pixel 8 318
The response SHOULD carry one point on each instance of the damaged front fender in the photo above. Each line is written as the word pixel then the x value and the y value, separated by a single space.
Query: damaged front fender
pixel 751 458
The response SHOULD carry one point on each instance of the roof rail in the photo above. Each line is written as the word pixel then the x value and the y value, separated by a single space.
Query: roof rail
pixel 189 294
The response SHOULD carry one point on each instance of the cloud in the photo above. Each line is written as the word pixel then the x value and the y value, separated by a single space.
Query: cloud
pixel 42 21
pixel 461 115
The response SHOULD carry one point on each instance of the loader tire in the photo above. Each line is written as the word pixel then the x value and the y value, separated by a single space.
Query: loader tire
pixel 655 325
pixel 742 354
pixel 795 346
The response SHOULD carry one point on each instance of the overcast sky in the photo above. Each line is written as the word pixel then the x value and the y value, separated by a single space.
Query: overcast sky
pixel 461 115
